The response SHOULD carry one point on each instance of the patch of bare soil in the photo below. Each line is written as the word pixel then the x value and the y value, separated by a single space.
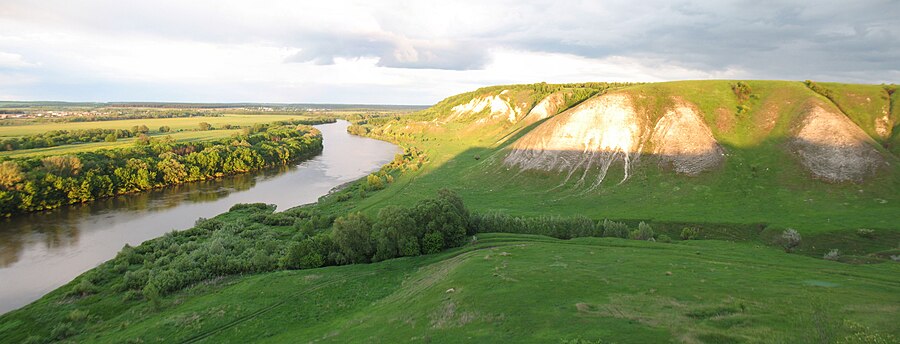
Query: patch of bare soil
pixel 682 139
pixel 832 147
pixel 498 108
pixel 883 126
pixel 597 133
pixel 767 118
pixel 724 120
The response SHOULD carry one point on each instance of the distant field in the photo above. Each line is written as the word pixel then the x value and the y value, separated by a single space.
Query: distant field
pixel 86 147
pixel 153 124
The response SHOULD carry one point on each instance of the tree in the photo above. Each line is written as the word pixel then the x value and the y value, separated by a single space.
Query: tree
pixel 111 138
pixel 352 235
pixel 140 129
pixel 433 242
pixel 142 140
pixel 10 174
pixel 62 165
pixel 205 126
pixel 643 232
pixel 445 214
pixel 165 129
pixel 173 172
pixel 395 234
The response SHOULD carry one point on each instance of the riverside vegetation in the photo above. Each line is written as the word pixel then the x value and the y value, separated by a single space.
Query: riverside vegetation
pixel 755 249
pixel 31 184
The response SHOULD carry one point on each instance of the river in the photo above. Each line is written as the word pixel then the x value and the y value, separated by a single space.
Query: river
pixel 42 251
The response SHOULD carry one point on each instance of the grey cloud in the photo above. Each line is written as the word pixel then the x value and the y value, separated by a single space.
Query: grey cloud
pixel 391 50
pixel 788 40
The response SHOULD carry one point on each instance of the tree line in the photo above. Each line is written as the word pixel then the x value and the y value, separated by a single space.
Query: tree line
pixel 55 138
pixel 32 184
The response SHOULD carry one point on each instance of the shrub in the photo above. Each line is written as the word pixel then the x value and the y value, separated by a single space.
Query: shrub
pixel 834 254
pixel 790 239
pixel 83 288
pixel 62 331
pixel 643 232
pixel 253 207
pixel 208 224
pixel 136 279
pixel 615 229
pixel 690 233
pixel 152 293
pixel 278 219
pixel 374 182
pixel 664 238
pixel 865 233
pixel 77 315
pixel 742 91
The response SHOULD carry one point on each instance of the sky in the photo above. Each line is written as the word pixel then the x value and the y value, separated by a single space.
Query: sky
pixel 419 52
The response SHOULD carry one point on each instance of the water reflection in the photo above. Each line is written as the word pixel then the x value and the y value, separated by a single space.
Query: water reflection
pixel 59 228
pixel 41 251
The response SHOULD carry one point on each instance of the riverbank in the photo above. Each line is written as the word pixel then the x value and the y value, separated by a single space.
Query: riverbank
pixel 67 241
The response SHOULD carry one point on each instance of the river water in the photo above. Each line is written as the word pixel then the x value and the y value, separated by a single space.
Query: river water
pixel 42 251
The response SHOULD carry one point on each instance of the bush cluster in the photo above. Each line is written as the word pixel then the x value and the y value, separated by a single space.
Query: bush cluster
pixel 213 248
pixel 558 227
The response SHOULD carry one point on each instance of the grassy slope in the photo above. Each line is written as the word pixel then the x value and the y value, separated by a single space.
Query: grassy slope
pixel 761 181
pixel 861 103
pixel 539 290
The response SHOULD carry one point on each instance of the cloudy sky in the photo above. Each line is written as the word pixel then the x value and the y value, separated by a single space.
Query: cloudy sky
pixel 418 52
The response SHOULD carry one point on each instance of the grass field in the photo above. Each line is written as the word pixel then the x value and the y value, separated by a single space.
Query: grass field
pixel 517 288
pixel 189 123
pixel 185 136
pixel 182 130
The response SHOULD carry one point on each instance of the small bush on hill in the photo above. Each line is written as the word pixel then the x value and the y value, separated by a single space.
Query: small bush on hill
pixel 615 229
pixel 664 238
pixel 643 232
pixel 790 239
pixel 253 207
pixel 374 182
pixel 834 254
pixel 865 233
pixel 690 233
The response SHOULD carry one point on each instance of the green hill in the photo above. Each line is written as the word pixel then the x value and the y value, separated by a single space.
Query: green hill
pixel 761 180
pixel 705 177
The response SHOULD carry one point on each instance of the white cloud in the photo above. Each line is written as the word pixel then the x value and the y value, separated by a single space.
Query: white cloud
pixel 11 61
pixel 421 51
